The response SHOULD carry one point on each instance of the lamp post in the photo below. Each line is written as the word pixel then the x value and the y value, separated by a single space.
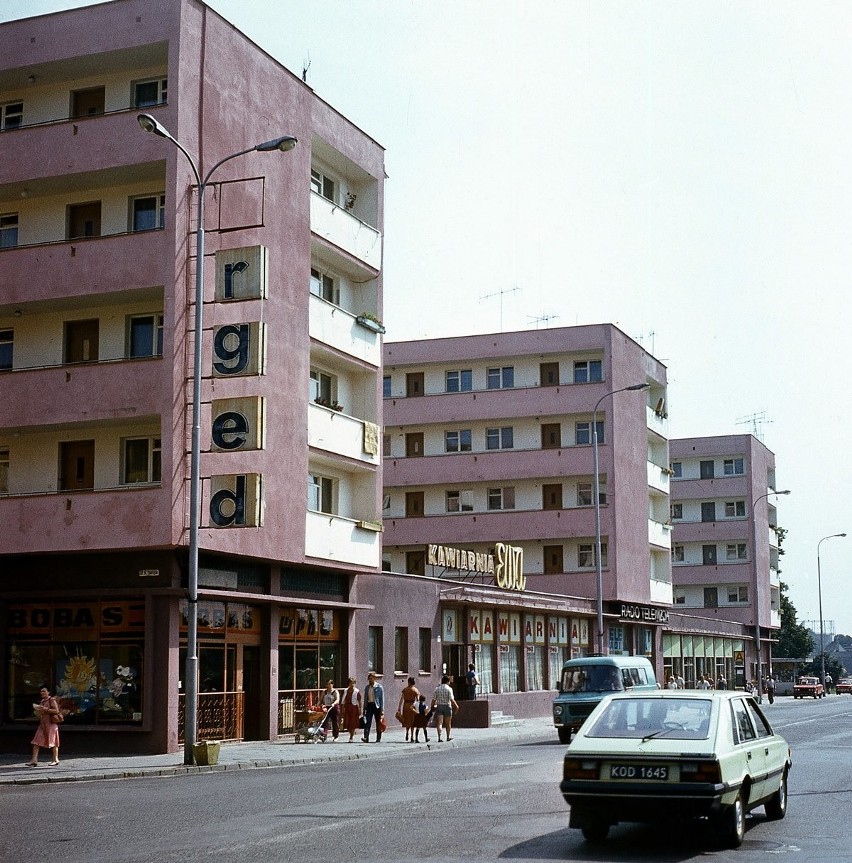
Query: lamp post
pixel 819 592
pixel 757 587
pixel 284 143
pixel 597 500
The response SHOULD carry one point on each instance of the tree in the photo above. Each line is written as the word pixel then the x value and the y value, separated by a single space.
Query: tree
pixel 794 639
pixel 832 667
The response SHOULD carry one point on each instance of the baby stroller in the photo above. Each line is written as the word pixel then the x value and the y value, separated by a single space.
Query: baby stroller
pixel 308 726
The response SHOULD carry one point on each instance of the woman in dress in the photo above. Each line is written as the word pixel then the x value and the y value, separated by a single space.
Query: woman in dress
pixel 352 708
pixel 47 735
pixel 407 709
pixel 331 703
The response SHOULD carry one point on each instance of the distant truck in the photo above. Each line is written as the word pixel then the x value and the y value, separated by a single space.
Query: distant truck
pixel 808 687
pixel 586 681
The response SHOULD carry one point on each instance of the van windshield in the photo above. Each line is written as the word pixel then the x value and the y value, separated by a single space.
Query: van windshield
pixel 592 678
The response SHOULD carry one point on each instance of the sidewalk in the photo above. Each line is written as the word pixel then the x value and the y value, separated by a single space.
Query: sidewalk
pixel 257 754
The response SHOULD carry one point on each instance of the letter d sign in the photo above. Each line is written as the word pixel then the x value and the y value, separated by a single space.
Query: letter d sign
pixel 236 500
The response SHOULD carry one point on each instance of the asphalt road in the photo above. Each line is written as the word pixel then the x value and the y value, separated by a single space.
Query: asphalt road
pixel 481 803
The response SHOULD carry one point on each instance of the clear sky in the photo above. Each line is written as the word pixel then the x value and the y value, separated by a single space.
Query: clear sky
pixel 683 170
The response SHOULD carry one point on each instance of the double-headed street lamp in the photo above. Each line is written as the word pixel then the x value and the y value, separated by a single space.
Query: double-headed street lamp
pixel 284 143
pixel 819 591
pixel 597 499
pixel 756 576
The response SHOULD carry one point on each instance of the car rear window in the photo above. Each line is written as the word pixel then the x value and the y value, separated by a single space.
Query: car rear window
pixel 640 718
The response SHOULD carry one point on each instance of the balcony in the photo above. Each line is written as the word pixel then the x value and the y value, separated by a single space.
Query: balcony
pixel 340 228
pixel 658 477
pixel 126 390
pixel 108 520
pixel 659 534
pixel 65 268
pixel 467 528
pixel 343 435
pixel 339 329
pixel 657 422
pixel 342 540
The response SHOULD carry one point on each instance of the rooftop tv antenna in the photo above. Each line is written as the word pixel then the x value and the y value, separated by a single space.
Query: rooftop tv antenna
pixel 500 294
pixel 306 64
pixel 757 421
pixel 541 319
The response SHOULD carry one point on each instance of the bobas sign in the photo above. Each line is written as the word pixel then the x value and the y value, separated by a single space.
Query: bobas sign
pixel 238 424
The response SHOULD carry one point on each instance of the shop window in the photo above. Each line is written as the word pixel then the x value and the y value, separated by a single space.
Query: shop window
pixel 535 667
pixel 510 667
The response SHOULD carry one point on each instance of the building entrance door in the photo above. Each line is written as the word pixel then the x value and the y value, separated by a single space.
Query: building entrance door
pixel 454 659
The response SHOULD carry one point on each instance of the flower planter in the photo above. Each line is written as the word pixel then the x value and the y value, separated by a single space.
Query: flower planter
pixel 370 324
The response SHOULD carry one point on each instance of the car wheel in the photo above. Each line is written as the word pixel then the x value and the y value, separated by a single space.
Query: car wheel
pixel 776 806
pixel 564 735
pixel 731 824
pixel 596 831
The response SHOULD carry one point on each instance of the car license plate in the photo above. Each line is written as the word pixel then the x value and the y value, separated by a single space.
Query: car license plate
pixel 653 772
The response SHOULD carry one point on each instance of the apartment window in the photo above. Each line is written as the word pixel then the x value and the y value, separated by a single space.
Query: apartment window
pixel 323 185
pixel 424 649
pixel 145 336
pixel 386 446
pixel 733 466
pixel 679 597
pixel 708 555
pixel 459 381
pixel 4 471
pixel 415 563
pixel 586 555
pixel 8 230
pixel 321 493
pixel 142 460
pixel 84 220
pixel 551 435
pixel 386 386
pixel 711 597
pixel 460 501
pixel 148 212
pixel 735 551
pixel 414 504
pixel 386 503
pixel 548 374
pixel 676 511
pixel 325 286
pixel 375 649
pixel 583 433
pixel 500 378
pixel 587 371
pixel 677 469
pixel 400 649
pixel 708 511
pixel 501 498
pixel 735 509
pixel 7 348
pixel 148 93
pixel 499 438
pixel 323 390
pixel 706 469
pixel 586 494
pixel 11 115
pixel 88 103
pixel 553 559
pixel 413 384
pixel 678 555
pixel 458 441
pixel 738 594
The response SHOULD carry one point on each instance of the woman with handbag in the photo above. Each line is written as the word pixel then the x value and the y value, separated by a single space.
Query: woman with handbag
pixel 49 719
pixel 352 708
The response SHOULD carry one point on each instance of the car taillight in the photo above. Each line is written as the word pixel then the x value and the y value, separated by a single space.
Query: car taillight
pixel 579 768
pixel 700 771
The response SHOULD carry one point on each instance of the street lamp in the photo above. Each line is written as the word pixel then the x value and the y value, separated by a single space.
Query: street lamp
pixel 757 587
pixel 597 499
pixel 819 591
pixel 284 143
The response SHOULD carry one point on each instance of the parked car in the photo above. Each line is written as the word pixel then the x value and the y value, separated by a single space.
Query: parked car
pixel 808 687
pixel 585 681
pixel 844 686
pixel 674 754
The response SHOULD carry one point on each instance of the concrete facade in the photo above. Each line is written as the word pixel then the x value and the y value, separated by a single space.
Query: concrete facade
pixel 96 332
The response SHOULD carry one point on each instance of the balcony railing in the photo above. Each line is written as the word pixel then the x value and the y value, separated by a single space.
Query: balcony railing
pixel 334 537
pixel 342 229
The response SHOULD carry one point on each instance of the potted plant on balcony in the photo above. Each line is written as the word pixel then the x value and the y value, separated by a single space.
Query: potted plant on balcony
pixel 369 321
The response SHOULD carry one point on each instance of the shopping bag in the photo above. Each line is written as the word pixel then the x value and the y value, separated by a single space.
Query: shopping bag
pixel 383 724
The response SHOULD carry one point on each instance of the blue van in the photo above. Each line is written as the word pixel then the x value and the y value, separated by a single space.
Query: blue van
pixel 585 681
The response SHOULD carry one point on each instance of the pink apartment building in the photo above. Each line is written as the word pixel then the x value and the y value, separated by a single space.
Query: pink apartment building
pixel 725 547
pixel 489 482
pixel 97 256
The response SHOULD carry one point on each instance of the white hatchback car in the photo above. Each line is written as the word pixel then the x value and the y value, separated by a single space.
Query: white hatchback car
pixel 675 754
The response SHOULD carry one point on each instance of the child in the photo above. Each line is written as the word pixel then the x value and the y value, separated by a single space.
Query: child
pixel 421 720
